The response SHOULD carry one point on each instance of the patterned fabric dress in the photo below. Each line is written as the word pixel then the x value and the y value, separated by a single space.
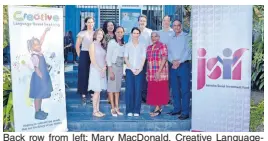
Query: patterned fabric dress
pixel 158 92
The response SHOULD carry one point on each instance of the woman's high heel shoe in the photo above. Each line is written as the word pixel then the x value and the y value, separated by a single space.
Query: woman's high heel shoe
pixel 113 112
pixel 101 113
pixel 118 112
pixel 97 114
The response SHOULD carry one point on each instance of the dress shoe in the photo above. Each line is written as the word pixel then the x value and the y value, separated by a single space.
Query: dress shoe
pixel 174 113
pixel 183 117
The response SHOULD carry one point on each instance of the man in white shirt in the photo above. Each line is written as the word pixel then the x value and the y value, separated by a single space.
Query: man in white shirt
pixel 145 36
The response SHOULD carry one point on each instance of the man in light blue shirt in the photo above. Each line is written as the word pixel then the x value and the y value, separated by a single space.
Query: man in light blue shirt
pixel 179 56
pixel 166 32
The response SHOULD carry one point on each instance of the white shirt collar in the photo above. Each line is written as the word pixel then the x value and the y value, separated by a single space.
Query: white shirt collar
pixel 170 29
pixel 174 34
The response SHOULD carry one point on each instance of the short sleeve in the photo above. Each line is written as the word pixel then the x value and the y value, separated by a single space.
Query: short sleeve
pixel 81 34
pixel 35 60
pixel 164 51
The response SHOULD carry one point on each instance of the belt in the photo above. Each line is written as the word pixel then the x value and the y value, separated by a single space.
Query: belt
pixel 187 61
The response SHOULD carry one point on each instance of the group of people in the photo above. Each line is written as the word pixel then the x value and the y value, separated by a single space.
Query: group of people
pixel 156 61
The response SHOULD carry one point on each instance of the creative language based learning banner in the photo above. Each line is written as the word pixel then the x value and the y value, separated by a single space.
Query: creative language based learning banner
pixel 37 65
pixel 221 83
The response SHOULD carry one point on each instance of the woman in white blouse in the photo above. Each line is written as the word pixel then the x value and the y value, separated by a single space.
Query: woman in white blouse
pixel 135 55
pixel 115 61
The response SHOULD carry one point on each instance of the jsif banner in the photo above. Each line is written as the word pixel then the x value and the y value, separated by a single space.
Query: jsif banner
pixel 221 83
pixel 37 67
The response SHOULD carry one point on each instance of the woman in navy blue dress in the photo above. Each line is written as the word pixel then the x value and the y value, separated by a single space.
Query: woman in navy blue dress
pixel 40 85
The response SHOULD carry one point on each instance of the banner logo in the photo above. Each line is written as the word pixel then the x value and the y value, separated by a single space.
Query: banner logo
pixel 231 66
pixel 20 16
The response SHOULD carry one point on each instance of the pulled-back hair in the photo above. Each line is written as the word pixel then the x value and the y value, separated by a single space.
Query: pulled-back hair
pixel 85 21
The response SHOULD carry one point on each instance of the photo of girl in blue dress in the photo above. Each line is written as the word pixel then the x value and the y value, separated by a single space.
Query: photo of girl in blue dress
pixel 40 84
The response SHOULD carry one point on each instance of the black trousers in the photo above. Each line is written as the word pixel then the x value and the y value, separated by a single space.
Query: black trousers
pixel 83 72
pixel 145 83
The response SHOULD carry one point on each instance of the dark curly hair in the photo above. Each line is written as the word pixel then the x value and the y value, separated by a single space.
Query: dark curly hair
pixel 105 25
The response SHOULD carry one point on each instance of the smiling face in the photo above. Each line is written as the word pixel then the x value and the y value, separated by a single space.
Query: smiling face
pixel 166 22
pixel 155 37
pixel 110 27
pixel 99 35
pixel 119 33
pixel 142 22
pixel 90 23
pixel 176 26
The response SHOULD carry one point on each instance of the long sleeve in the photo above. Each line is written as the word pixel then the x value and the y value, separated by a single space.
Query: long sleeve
pixel 126 56
pixel 109 55
pixel 150 40
pixel 187 50
pixel 169 47
pixel 126 51
pixel 144 50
